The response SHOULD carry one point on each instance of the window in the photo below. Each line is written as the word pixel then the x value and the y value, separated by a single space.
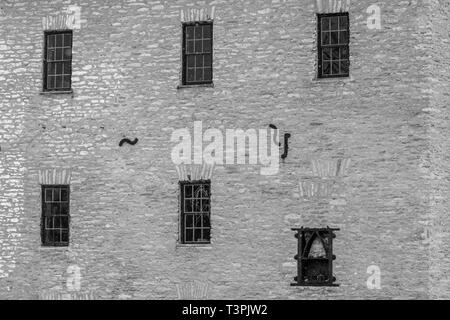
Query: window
pixel 333 45
pixel 58 61
pixel 195 212
pixel 55 216
pixel 315 257
pixel 197 53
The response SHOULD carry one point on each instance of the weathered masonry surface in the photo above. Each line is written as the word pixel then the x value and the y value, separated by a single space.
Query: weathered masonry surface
pixel 387 122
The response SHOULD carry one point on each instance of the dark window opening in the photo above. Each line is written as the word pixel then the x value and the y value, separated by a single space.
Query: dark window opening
pixel 315 257
pixel 333 45
pixel 58 61
pixel 197 53
pixel 55 216
pixel 195 212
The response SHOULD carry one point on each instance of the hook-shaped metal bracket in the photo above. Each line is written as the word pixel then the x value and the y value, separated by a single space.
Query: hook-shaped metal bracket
pixel 286 137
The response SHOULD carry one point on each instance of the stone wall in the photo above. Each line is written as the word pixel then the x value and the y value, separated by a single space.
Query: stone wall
pixel 124 200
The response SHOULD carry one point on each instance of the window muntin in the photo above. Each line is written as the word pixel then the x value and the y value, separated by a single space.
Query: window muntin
pixel 55 215
pixel 197 53
pixel 333 45
pixel 58 61
pixel 195 212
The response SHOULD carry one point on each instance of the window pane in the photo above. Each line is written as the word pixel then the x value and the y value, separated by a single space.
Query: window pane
pixel 57 235
pixel 207 46
pixel 189 32
pixel 335 68
pixel 67 53
pixel 205 205
pixel 334 37
pixel 59 68
pixel 343 37
pixel 197 205
pixel 191 74
pixel 207 234
pixel 189 235
pixel 207 60
pixel 198 32
pixel 344 67
pixel 326 54
pixel 188 191
pixel 67 68
pixel 51 69
pixel 207 31
pixel 48 195
pixel 344 53
pixel 191 63
pixel 189 221
pixel 65 236
pixel 64 222
pixel 59 54
pixel 198 221
pixel 59 40
pixel 326 69
pixel 325 24
pixel 55 209
pixel 187 205
pixel 206 222
pixel 67 40
pixel 198 235
pixel 325 38
pixel 48 236
pixel 48 222
pixel 64 209
pixel 198 46
pixel 51 82
pixel 51 40
pixel 207 74
pixel 47 210
pixel 67 82
pixel 207 188
pixel 343 22
pixel 59 82
pixel 196 191
pixel 199 61
pixel 190 47
pixel 51 54
pixel 57 222
pixel 334 23
pixel 335 53
pixel 198 74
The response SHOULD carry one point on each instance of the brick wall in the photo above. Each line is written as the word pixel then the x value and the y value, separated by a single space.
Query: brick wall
pixel 124 200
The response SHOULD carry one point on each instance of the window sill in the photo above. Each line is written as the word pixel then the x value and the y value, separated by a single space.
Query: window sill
pixel 314 285
pixel 194 245
pixel 335 79
pixel 45 93
pixel 204 85
pixel 54 248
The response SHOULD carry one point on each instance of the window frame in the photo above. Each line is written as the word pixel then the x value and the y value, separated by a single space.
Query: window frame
pixel 182 237
pixel 44 243
pixel 303 261
pixel 45 88
pixel 184 73
pixel 320 47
